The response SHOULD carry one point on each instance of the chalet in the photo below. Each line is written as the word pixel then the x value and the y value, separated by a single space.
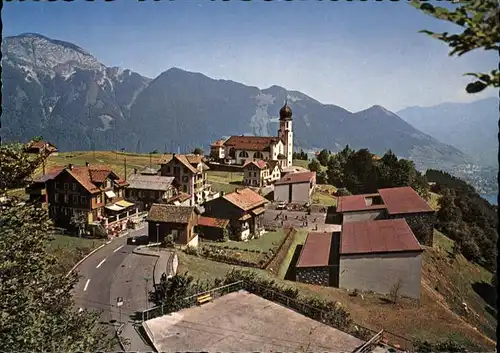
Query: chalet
pixel 40 147
pixel 295 188
pixel 391 203
pixel 146 189
pixel 368 255
pixel 243 208
pixel 95 192
pixel 177 221
pixel 37 188
pixel 190 172
pixel 260 173
pixel 241 149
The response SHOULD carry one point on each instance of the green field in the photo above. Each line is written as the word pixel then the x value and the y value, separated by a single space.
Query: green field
pixel 323 195
pixel 298 238
pixel 224 177
pixel 265 243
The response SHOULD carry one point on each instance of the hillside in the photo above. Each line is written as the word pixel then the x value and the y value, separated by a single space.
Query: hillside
pixel 470 127
pixel 58 90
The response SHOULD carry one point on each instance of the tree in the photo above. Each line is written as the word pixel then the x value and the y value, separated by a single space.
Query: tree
pixel 198 150
pixel 323 157
pixel 314 166
pixel 16 165
pixel 36 307
pixel 482 30
pixel 37 138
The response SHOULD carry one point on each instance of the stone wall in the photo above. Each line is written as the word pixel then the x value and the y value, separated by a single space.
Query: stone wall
pixel 422 225
pixel 313 275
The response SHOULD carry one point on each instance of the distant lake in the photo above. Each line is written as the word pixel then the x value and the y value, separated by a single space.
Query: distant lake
pixel 492 198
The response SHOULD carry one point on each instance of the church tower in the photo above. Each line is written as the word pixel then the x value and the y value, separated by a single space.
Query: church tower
pixel 285 133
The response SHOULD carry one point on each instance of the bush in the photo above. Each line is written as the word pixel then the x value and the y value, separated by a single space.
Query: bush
pixel 440 346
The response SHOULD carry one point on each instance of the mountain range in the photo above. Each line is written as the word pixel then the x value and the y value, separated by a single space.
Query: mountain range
pixel 60 91
pixel 470 127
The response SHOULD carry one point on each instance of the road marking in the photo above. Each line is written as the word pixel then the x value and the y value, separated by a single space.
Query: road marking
pixel 86 285
pixel 118 248
pixel 80 310
pixel 100 263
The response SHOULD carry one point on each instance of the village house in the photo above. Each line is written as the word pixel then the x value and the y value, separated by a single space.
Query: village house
pixel 244 208
pixel 37 188
pixel 260 173
pixel 40 147
pixel 241 149
pixel 295 188
pixel 146 189
pixel 92 191
pixel 377 256
pixel 177 221
pixel 190 172
pixel 390 203
pixel 213 228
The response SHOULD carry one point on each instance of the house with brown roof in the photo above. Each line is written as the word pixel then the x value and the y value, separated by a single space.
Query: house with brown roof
pixel 94 191
pixel 146 189
pixel 260 173
pixel 295 188
pixel 40 147
pixel 37 188
pixel 369 255
pixel 190 172
pixel 241 149
pixel 391 203
pixel 177 221
pixel 212 228
pixel 243 208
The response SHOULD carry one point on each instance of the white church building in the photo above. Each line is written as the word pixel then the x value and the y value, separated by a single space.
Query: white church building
pixel 242 149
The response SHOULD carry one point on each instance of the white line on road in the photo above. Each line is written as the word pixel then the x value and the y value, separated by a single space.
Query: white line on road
pixel 80 310
pixel 100 263
pixel 86 285
pixel 118 248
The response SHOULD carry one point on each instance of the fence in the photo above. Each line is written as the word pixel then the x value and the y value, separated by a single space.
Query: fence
pixel 368 346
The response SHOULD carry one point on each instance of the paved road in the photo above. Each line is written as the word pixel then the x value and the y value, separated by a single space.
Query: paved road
pixel 111 272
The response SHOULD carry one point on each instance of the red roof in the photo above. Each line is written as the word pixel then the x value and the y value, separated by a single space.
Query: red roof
pixel 246 199
pixel 251 143
pixel 294 178
pixel 316 250
pixel 356 203
pixel 87 176
pixel 382 236
pixel 212 222
pixel 258 163
pixel 403 200
pixel 218 143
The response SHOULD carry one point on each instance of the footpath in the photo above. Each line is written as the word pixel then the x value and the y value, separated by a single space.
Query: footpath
pixel 166 262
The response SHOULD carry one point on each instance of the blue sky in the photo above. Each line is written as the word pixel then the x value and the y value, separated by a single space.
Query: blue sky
pixel 352 54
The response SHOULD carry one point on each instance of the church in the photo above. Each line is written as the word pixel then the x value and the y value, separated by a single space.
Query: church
pixel 241 149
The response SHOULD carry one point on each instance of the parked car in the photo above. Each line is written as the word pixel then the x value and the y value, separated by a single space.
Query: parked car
pixel 281 205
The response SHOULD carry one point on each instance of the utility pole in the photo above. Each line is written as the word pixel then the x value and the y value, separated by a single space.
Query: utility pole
pixel 125 167
pixel 158 235
pixel 150 157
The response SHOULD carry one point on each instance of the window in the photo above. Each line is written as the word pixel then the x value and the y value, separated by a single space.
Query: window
pixel 177 170
pixel 243 154
pixel 74 186
pixel 185 179
pixel 83 200
pixel 152 194
pixel 66 198
pixel 56 197
pixel 99 199
pixel 255 174
pixel 141 193
pixel 66 186
pixel 258 155
pixel 56 184
pixel 75 199
pixel 184 188
pixel 167 169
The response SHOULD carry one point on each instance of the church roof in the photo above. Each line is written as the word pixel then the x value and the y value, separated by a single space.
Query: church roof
pixel 285 112
pixel 252 143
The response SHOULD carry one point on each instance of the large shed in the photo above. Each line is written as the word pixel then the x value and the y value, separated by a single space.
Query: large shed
pixel 295 188
pixel 379 256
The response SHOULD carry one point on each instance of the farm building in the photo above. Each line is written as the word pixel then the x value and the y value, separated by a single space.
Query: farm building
pixel 379 255
pixel 295 188
pixel 391 203
pixel 212 228
pixel 368 255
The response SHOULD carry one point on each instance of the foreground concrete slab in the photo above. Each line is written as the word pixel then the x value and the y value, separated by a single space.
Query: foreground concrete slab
pixel 241 321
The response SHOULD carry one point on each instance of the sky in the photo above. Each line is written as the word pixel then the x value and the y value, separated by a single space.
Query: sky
pixel 352 54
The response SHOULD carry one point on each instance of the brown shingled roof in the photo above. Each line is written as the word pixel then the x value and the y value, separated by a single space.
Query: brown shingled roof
pixel 88 176
pixel 170 214
pixel 218 143
pixel 246 199
pixel 356 203
pixel 403 200
pixel 212 222
pixel 316 250
pixel 188 160
pixel 381 236
pixel 258 163
pixel 251 143
pixel 294 178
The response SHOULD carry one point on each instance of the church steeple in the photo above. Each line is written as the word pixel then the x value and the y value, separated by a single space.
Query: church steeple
pixel 286 112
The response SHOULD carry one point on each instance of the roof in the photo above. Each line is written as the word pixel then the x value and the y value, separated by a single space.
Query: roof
pixel 381 236
pixel 148 171
pixel 40 145
pixel 356 203
pixel 48 176
pixel 190 161
pixel 251 143
pixel 170 213
pixel 258 163
pixel 295 178
pixel 245 199
pixel 403 200
pixel 212 222
pixel 89 175
pixel 316 250
pixel 181 197
pixel 150 182
pixel 273 164
pixel 218 143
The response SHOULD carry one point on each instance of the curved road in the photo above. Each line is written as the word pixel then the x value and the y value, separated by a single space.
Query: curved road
pixel 114 271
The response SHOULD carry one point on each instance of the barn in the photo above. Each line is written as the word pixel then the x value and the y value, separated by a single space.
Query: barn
pixel 295 188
